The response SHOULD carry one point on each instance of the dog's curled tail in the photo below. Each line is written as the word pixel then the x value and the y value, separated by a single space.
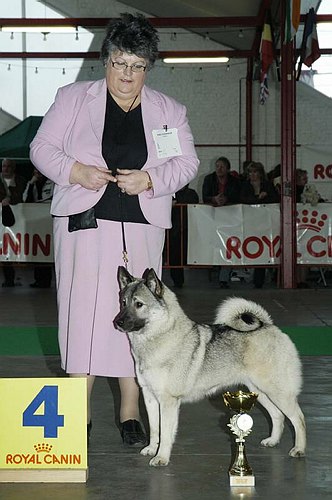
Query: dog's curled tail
pixel 243 315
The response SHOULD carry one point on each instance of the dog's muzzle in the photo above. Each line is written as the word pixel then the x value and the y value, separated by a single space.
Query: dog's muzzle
pixel 119 322
pixel 124 323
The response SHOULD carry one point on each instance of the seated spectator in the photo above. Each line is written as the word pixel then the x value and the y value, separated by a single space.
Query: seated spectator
pixel 184 195
pixel 257 189
pixel 222 188
pixel 11 191
pixel 40 189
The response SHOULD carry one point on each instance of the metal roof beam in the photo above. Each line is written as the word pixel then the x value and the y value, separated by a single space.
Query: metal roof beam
pixel 158 22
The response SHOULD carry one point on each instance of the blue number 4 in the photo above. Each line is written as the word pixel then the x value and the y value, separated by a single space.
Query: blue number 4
pixel 50 420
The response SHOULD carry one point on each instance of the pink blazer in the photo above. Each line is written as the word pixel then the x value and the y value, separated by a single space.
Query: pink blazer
pixel 72 131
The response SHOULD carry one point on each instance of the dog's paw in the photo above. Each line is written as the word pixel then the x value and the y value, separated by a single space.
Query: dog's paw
pixel 158 461
pixel 150 450
pixel 296 452
pixel 269 442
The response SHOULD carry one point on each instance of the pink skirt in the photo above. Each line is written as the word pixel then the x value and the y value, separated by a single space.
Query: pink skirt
pixel 86 264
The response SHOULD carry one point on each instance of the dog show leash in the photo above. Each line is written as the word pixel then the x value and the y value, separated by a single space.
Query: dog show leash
pixel 122 193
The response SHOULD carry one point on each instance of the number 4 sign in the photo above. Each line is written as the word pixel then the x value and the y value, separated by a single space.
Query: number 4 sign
pixel 43 430
pixel 50 420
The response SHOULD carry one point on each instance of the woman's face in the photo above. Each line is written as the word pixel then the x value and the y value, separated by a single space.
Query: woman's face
pixel 125 84
pixel 253 175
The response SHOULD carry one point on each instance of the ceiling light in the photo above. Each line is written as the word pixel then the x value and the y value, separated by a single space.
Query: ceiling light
pixel 195 60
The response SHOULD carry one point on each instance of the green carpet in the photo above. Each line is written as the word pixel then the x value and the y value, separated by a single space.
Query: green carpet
pixel 28 341
pixel 38 341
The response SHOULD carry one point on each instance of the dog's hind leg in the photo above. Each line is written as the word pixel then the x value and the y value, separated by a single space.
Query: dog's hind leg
pixel 169 416
pixel 285 402
pixel 152 408
pixel 298 422
pixel 277 417
pixel 290 407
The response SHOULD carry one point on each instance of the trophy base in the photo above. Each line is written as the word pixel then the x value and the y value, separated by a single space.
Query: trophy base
pixel 241 480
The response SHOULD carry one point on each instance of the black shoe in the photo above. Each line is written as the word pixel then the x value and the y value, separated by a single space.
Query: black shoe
pixel 132 433
pixel 8 284
pixel 223 284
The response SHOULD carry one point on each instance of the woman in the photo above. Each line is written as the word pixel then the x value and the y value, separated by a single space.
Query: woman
pixel 117 151
pixel 257 189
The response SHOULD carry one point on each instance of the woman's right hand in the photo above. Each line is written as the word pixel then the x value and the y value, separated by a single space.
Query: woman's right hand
pixel 90 176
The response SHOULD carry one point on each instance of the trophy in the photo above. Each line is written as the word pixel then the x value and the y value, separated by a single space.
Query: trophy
pixel 240 473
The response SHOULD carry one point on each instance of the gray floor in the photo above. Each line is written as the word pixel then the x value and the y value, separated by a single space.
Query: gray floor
pixel 202 452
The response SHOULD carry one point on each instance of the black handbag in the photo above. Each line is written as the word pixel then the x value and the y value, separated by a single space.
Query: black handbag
pixel 8 218
pixel 83 220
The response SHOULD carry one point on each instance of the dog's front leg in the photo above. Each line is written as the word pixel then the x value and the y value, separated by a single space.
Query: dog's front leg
pixel 169 417
pixel 152 408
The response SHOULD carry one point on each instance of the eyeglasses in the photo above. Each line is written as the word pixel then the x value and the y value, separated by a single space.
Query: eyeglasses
pixel 121 66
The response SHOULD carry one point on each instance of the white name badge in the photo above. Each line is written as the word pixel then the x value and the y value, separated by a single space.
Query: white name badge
pixel 167 142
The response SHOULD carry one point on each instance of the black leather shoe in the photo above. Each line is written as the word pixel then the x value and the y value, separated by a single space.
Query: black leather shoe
pixel 132 433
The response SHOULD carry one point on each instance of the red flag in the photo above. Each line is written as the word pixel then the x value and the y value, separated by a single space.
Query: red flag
pixel 267 56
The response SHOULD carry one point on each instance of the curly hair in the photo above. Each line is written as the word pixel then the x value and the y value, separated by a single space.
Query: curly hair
pixel 131 34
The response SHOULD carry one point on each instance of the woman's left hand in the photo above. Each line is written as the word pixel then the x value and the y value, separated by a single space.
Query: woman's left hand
pixel 132 181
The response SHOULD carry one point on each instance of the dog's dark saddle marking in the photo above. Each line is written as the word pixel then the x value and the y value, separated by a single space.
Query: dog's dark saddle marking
pixel 217 331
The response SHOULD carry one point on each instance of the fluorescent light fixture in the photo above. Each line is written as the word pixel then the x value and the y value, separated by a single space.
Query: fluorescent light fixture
pixel 38 29
pixel 195 60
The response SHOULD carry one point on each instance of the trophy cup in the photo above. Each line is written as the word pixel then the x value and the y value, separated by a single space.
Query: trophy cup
pixel 240 473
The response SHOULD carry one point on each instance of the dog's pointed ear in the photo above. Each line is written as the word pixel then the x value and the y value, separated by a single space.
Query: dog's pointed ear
pixel 124 278
pixel 153 282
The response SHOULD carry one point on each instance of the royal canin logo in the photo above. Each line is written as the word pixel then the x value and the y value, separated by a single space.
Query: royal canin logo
pixel 306 219
pixel 43 455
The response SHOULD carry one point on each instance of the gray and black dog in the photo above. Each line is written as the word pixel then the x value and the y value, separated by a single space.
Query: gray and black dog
pixel 179 360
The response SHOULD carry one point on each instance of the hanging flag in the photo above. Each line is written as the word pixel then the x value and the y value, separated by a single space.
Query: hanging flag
pixel 292 21
pixel 310 44
pixel 267 56
pixel 309 49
